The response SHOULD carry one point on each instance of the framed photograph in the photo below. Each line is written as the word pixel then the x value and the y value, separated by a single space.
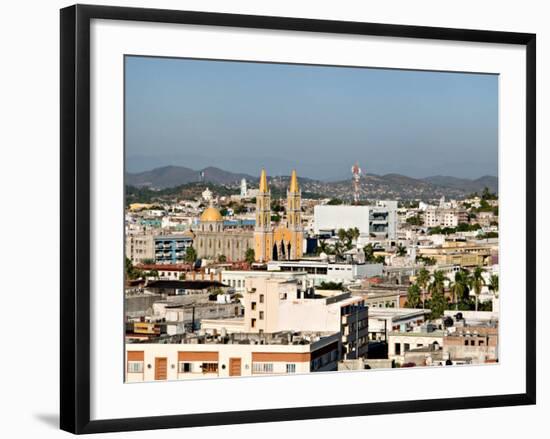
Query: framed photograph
pixel 275 218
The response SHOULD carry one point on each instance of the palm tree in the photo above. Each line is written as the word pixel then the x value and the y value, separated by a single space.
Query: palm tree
pixel 493 284
pixel 477 282
pixel 369 253
pixel 437 290
pixel 458 287
pixel 413 296
pixel 401 250
pixel 323 247
pixel 354 233
pixel 422 280
pixel 339 248
pixel 438 281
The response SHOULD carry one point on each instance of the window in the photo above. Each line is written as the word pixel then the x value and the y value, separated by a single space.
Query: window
pixel 184 367
pixel 407 347
pixel 397 348
pixel 209 367
pixel 261 315
pixel 135 366
pixel 481 343
pixel 253 306
pixel 253 323
pixel 261 298
pixel 465 342
pixel 262 367
pixel 291 368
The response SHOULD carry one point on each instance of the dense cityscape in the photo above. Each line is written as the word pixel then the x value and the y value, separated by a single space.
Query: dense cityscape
pixel 254 284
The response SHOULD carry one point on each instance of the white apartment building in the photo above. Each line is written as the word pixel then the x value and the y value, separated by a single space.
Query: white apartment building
pixel 434 217
pixel 379 220
pixel 320 271
pixel 237 278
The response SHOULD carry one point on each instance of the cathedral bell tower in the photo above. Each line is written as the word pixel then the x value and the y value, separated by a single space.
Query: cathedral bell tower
pixel 294 218
pixel 263 233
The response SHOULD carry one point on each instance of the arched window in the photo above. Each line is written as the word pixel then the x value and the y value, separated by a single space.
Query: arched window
pixel 211 229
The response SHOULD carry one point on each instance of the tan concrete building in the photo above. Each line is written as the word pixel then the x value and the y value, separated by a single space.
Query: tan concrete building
pixel 140 248
pixel 238 355
pixel 464 254
pixel 479 344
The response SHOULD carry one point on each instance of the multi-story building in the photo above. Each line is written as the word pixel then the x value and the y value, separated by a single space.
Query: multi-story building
pixel 237 278
pixel 459 253
pixel 479 344
pixel 379 220
pixel 400 342
pixel 324 271
pixel 171 249
pixel 140 248
pixel 207 356
pixel 272 305
pixel 434 217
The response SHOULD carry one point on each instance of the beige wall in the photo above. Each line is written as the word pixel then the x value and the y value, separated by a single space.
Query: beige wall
pixel 231 244
pixel 140 247
pixel 299 355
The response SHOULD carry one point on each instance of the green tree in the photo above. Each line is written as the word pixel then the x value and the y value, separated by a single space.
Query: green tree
pixel 132 272
pixel 354 233
pixel 330 286
pixel 458 287
pixel 477 283
pixel 401 250
pixel 488 195
pixel 369 253
pixel 334 202
pixel 153 274
pixel 438 303
pixel 415 220
pixel 422 279
pixel 250 255
pixel 190 255
pixel 222 259
pixel 493 284
pixel 324 247
pixel 413 296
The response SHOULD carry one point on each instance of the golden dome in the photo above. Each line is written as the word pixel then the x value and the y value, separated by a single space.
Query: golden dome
pixel 211 214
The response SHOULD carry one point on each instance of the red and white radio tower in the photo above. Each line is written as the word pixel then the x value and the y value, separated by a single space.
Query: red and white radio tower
pixel 356 177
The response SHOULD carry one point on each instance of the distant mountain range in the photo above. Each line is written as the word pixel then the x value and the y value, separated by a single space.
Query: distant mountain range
pixel 371 186
pixel 171 176
pixel 476 185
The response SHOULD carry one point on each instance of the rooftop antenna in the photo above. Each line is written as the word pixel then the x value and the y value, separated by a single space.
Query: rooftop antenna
pixel 356 177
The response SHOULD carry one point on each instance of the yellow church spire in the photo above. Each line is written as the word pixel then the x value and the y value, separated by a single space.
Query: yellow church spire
pixel 263 182
pixel 293 182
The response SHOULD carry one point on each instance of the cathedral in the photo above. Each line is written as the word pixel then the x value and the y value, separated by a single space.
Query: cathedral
pixel 215 237
pixel 284 241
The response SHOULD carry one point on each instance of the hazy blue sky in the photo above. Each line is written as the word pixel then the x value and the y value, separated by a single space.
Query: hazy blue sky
pixel 243 116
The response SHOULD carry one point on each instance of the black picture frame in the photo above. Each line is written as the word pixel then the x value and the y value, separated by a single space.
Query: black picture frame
pixel 75 217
